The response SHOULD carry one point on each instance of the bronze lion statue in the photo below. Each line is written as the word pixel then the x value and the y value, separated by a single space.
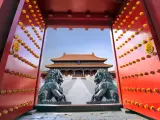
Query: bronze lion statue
pixel 52 91
pixel 105 88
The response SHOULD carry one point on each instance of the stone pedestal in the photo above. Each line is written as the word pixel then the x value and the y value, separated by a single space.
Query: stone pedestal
pixel 55 103
pixel 61 103
pixel 102 102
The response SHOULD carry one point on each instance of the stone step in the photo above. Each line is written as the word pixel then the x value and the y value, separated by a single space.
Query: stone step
pixel 78 108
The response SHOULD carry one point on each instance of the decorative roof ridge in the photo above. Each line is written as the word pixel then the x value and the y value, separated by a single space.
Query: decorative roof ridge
pixel 76 54
pixel 84 55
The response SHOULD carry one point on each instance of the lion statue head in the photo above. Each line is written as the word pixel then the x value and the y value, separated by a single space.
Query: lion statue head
pixel 102 75
pixel 54 75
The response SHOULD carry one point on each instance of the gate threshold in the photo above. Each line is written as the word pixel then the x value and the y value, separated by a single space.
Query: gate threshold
pixel 77 108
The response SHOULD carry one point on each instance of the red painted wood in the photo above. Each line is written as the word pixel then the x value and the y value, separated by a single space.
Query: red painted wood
pixel 85 13
pixel 39 70
pixel 25 87
pixel 1 2
pixel 152 11
pixel 81 23
pixel 116 68
pixel 7 21
pixel 79 20
pixel 150 65
pixel 56 6
pixel 12 82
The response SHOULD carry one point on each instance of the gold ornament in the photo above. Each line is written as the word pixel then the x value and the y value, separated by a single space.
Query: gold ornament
pixel 27 16
pixel 34 15
pixel 136 18
pixel 24 11
pixel 16 46
pixel 5 111
pixel 149 47
pixel 141 13
pixel 34 2
pixel 130 12
pixel 11 109
pixel 32 11
pixel 138 2
pixel 20 23
pixel 30 6
pixel 27 1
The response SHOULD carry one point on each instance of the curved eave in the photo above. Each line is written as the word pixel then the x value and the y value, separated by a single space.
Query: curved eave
pixel 55 60
pixel 52 66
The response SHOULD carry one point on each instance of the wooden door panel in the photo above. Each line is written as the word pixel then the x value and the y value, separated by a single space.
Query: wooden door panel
pixel 139 71
pixel 19 80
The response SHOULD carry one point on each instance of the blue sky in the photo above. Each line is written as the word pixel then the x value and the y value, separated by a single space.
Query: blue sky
pixel 77 41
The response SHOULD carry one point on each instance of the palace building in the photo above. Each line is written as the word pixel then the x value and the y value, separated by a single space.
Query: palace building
pixel 77 65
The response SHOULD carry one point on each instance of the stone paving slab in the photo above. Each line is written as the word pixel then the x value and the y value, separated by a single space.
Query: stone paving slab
pixel 67 85
pixel 79 93
pixel 90 84
pixel 82 116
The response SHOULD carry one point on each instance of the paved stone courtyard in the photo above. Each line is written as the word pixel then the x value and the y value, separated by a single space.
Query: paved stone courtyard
pixel 83 116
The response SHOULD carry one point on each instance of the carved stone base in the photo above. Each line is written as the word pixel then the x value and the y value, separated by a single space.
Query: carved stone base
pixel 102 102
pixel 55 103
pixel 59 103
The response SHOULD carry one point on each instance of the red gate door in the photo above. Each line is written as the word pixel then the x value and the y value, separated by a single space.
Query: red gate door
pixel 137 59
pixel 1 1
pixel 21 61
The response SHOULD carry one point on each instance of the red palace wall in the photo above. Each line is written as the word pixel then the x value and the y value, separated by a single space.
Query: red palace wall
pixel 139 71
pixel 19 80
